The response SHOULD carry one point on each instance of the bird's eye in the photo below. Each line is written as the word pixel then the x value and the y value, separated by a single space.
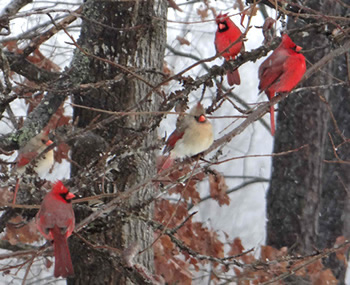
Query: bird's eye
pixel 43 141
pixel 296 48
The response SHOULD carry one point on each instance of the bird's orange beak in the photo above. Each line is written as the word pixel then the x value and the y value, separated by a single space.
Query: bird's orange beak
pixel 221 26
pixel 201 119
pixel 298 48
pixel 70 196
pixel 49 142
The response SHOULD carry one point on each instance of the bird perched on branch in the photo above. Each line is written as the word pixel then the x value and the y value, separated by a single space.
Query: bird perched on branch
pixel 193 135
pixel 281 71
pixel 32 150
pixel 56 221
pixel 226 34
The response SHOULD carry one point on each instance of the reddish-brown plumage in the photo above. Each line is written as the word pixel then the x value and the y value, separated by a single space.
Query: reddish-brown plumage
pixel 226 34
pixel 24 159
pixel 281 71
pixel 56 221
pixel 173 138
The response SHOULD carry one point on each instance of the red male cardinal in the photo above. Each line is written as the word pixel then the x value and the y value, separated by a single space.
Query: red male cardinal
pixel 281 71
pixel 31 150
pixel 193 135
pixel 226 34
pixel 56 221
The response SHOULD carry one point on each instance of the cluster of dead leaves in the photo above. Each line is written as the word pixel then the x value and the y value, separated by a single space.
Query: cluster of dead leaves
pixel 218 188
pixel 188 189
pixel 20 231
pixel 280 262
pixel 176 263
pixel 173 265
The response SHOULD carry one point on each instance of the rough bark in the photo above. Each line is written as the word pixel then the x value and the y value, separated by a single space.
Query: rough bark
pixel 132 34
pixel 307 202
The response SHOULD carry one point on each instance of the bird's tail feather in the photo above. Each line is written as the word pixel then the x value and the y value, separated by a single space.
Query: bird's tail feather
pixel 63 262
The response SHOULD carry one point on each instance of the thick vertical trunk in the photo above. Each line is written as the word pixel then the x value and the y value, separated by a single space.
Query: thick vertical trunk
pixel 307 202
pixel 131 34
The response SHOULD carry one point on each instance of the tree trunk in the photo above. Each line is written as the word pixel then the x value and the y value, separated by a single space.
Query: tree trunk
pixel 131 34
pixel 308 202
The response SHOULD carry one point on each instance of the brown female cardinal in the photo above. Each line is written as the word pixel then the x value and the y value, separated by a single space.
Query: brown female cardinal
pixel 56 221
pixel 226 34
pixel 281 71
pixel 31 150
pixel 193 135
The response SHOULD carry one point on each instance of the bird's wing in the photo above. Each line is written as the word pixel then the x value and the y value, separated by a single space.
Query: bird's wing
pixel 173 138
pixel 271 69
pixel 24 158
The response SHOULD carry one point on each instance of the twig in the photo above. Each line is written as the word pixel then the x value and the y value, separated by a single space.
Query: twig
pixel 174 230
pixel 181 245
pixel 292 271
pixel 234 189
pixel 36 42
pixel 263 155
